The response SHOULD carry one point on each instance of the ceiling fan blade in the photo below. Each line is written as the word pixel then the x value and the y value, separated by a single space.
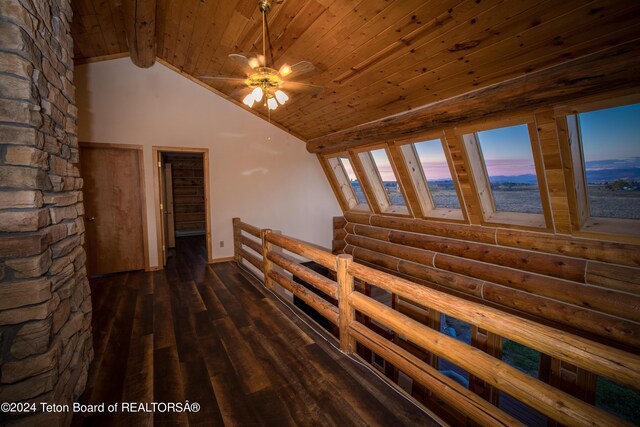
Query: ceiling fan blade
pixel 239 93
pixel 295 70
pixel 248 61
pixel 303 87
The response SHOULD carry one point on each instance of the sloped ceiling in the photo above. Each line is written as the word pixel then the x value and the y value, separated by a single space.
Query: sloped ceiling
pixel 375 58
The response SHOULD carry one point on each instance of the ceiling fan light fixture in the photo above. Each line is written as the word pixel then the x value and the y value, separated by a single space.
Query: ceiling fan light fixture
pixel 257 94
pixel 249 100
pixel 284 70
pixel 281 97
pixel 254 63
pixel 272 104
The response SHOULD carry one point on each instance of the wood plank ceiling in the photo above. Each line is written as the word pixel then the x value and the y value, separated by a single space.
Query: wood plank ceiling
pixel 375 58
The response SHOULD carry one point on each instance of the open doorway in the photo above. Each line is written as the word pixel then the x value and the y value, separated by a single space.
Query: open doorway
pixel 181 187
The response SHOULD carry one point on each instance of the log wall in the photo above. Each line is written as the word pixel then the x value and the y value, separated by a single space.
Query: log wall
pixel 45 304
pixel 585 286
pixel 188 193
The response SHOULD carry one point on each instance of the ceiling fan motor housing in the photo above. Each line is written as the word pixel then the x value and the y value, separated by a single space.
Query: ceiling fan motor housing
pixel 265 78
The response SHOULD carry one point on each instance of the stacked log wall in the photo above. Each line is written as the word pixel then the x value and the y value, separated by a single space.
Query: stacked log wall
pixel 585 286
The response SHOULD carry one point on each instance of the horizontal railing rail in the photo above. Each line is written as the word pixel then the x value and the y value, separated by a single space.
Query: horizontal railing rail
pixel 558 405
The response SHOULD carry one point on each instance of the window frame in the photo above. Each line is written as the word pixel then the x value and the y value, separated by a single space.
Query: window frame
pixel 364 165
pixel 341 184
pixel 572 154
pixel 479 177
pixel 426 206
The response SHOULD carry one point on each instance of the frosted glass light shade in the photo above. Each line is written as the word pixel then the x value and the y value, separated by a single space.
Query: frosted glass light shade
pixel 272 104
pixel 257 94
pixel 281 97
pixel 248 100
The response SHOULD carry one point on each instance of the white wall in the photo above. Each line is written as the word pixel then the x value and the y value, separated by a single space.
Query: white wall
pixel 271 184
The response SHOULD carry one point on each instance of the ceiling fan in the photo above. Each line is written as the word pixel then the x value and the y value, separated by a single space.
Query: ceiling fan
pixel 266 83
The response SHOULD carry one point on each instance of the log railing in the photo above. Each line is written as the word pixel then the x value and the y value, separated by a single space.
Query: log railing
pixel 600 359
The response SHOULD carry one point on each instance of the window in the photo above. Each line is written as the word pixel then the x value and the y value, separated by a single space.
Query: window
pixel 437 174
pixel 353 179
pixel 432 179
pixel 506 174
pixel 611 149
pixel 346 183
pixel 383 182
pixel 510 169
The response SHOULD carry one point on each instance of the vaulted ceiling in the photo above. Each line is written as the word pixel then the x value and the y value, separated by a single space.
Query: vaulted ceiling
pixel 375 58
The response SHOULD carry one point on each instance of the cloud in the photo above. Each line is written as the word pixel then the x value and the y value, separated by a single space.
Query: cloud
pixel 630 162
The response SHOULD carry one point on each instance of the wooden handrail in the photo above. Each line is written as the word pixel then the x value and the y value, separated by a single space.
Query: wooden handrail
pixel 304 249
pixel 254 231
pixel 253 260
pixel 256 246
pixel 607 361
pixel 323 307
pixel 442 386
pixel 552 402
pixel 600 359
pixel 290 264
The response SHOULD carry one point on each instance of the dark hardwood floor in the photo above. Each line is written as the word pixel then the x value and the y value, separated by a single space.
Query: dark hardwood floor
pixel 210 334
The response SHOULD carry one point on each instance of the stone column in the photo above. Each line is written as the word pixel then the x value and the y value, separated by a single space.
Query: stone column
pixel 45 304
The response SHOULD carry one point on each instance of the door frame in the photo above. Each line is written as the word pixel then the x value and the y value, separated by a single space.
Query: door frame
pixel 157 152
pixel 141 190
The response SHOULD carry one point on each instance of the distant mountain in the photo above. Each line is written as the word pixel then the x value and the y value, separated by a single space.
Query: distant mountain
pixel 528 178
pixel 631 162
pixel 598 176
pixel 598 172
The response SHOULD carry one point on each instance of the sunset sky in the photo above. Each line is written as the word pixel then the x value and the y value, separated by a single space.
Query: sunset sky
pixel 612 134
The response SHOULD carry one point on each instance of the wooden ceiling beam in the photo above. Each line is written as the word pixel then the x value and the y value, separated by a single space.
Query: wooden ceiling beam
pixel 140 25
pixel 608 70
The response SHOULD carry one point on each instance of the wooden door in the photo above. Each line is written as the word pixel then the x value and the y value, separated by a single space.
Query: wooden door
pixel 113 208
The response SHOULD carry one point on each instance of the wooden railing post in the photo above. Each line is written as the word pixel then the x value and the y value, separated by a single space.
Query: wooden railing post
pixel 267 265
pixel 347 313
pixel 236 240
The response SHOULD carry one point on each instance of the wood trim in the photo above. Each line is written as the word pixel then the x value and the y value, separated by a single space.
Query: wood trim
pixel 541 177
pixel 156 151
pixel 110 145
pixel 549 140
pixel 155 158
pixel 374 180
pixel 339 185
pixel 141 189
pixel 207 203
pixel 413 181
pixel 82 61
pixel 502 121
pixel 478 176
pixel 572 159
pixel 363 179
pixel 224 259
pixel 454 176
pixel 143 200
pixel 598 102
pixel 333 182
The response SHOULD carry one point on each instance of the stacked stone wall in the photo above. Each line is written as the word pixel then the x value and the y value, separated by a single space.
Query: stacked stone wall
pixel 45 305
